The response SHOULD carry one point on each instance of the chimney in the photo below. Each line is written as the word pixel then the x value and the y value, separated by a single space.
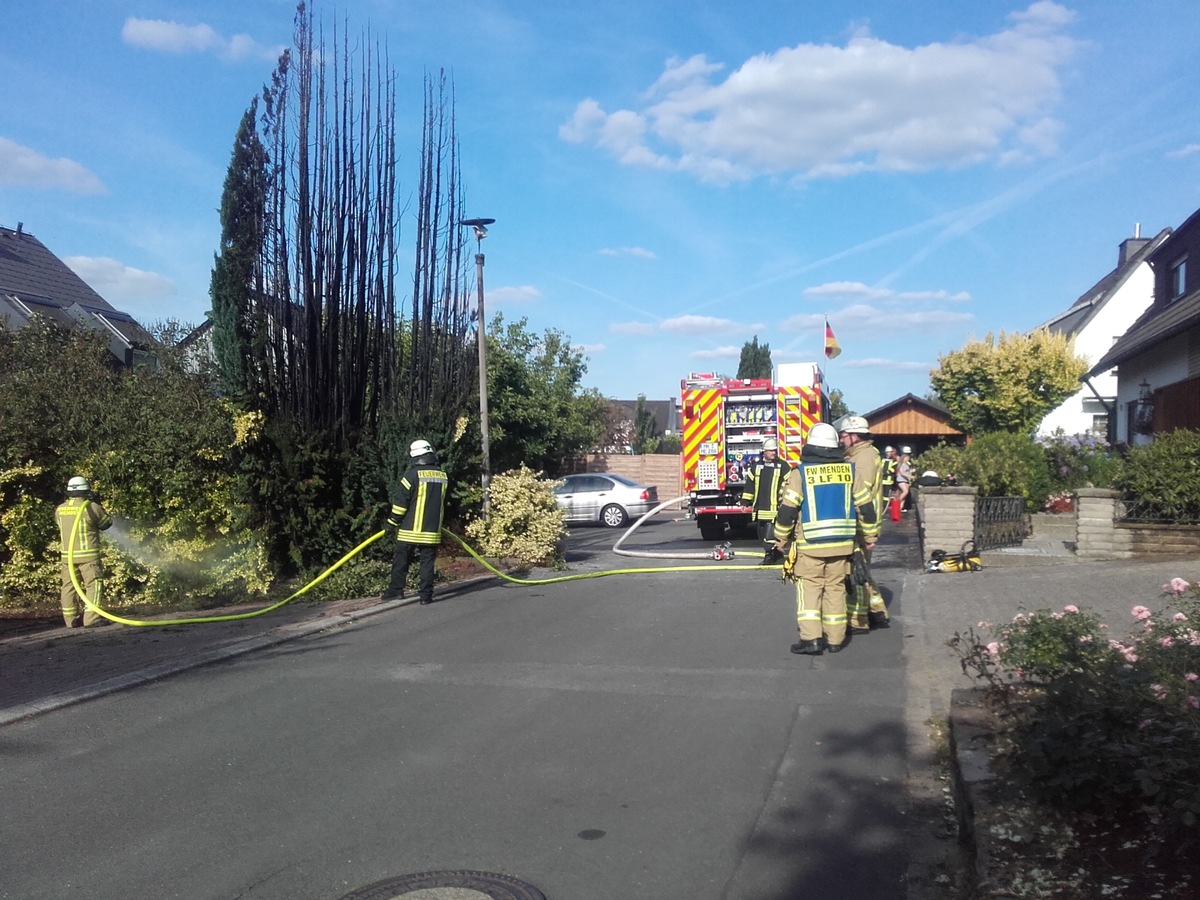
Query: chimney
pixel 1130 246
pixel 20 225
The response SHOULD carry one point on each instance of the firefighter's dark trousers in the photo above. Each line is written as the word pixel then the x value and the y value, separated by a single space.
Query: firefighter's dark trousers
pixel 90 573
pixel 400 562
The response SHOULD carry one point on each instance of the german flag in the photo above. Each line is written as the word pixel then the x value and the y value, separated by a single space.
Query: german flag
pixel 832 347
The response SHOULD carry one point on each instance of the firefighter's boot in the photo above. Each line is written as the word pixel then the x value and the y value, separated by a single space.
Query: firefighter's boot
pixel 878 619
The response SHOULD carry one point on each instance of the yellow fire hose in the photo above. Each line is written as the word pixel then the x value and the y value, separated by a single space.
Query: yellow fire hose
pixel 196 620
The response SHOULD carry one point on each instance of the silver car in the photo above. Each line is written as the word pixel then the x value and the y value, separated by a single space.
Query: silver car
pixel 611 500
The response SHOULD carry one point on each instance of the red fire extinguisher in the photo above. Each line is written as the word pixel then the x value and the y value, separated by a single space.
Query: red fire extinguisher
pixel 894 511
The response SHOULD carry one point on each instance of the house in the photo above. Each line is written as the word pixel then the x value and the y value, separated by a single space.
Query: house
pixel 1158 358
pixel 33 281
pixel 1103 313
pixel 915 422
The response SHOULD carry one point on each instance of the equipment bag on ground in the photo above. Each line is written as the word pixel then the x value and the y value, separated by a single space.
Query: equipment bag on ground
pixel 966 560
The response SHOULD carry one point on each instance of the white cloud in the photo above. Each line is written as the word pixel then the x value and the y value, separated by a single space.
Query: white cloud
pixel 820 110
pixel 856 289
pixel 1187 150
pixel 640 252
pixel 174 37
pixel 631 328
pixel 727 352
pixel 846 289
pixel 120 284
pixel 865 318
pixel 890 365
pixel 22 166
pixel 526 293
pixel 705 325
pixel 590 348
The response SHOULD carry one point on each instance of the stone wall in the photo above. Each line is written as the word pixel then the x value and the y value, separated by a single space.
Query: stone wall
pixel 945 518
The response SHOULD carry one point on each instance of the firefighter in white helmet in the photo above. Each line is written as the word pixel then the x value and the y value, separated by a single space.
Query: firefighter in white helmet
pixel 764 483
pixel 820 509
pixel 415 522
pixel 81 518
pixel 866 607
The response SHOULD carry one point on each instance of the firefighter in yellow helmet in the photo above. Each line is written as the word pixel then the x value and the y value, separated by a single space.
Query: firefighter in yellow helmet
pixel 81 518
pixel 820 509
pixel 764 482
pixel 415 521
pixel 866 607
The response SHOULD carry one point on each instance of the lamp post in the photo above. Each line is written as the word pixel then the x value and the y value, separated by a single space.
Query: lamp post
pixel 480 226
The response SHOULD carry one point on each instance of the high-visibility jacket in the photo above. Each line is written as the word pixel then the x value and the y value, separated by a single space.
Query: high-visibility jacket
pixel 821 498
pixel 92 520
pixel 868 474
pixel 419 505
pixel 889 473
pixel 764 484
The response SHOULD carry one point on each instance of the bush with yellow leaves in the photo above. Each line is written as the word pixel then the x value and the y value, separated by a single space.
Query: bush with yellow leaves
pixel 525 524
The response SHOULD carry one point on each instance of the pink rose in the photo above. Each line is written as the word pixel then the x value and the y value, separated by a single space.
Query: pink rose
pixel 1071 608
pixel 1141 613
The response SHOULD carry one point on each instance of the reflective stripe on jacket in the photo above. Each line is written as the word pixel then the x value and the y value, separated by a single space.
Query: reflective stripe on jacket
pixel 822 497
pixel 419 505
pixel 92 521
pixel 868 475
pixel 764 484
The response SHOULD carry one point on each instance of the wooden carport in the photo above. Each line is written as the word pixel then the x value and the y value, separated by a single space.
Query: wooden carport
pixel 915 422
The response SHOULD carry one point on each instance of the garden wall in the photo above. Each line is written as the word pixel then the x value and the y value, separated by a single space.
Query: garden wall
pixel 663 470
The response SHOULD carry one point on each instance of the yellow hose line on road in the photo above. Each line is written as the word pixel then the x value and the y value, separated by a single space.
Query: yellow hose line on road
pixel 196 620
pixel 232 617
pixel 561 578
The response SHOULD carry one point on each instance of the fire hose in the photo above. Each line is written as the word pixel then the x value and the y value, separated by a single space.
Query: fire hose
pixel 722 551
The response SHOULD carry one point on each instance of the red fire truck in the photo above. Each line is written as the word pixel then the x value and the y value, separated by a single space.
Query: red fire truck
pixel 726 420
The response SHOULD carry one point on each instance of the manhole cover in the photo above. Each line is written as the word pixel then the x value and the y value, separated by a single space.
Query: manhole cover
pixel 448 886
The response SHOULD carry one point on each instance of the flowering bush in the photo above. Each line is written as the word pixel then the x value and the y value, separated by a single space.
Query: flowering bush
pixel 1104 725
pixel 1060 503
pixel 1078 460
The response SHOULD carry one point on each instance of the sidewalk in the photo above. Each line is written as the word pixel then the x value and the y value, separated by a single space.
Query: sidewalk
pixel 49 669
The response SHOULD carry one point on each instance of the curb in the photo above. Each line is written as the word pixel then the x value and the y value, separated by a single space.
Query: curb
pixel 971 775
pixel 147 674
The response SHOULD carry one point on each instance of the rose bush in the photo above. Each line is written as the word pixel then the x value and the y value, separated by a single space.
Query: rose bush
pixel 1104 725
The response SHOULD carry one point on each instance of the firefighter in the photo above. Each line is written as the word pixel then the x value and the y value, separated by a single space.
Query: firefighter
pixel 820 508
pixel 81 518
pixel 764 481
pixel 415 522
pixel 866 607
pixel 889 471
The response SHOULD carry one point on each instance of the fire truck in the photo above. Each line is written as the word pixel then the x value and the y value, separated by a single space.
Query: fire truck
pixel 726 420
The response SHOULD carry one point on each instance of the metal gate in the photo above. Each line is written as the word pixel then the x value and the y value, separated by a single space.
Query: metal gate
pixel 1000 522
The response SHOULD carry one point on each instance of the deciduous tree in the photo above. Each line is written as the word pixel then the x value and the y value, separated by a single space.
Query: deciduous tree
pixel 1007 383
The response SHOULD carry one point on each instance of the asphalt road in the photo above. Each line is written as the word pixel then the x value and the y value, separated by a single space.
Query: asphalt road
pixel 635 736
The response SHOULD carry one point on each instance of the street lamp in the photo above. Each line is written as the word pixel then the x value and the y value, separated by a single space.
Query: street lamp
pixel 480 226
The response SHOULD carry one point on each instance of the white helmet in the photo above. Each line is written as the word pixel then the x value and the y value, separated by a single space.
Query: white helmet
pixel 906 451
pixel 419 448
pixel 822 435
pixel 889 449
pixel 852 425
pixel 770 444
pixel 78 485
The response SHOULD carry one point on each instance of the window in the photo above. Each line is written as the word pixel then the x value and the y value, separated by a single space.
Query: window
pixel 1178 278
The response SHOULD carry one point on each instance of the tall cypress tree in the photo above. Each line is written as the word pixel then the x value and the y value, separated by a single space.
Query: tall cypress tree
pixel 755 361
pixel 237 271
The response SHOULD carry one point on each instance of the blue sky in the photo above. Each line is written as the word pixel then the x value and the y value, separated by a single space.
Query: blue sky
pixel 668 179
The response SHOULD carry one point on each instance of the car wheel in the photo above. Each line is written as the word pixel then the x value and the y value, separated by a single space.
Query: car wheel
pixel 613 516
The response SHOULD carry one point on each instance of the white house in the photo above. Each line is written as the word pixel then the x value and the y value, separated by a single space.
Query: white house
pixel 1096 320
pixel 1158 357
